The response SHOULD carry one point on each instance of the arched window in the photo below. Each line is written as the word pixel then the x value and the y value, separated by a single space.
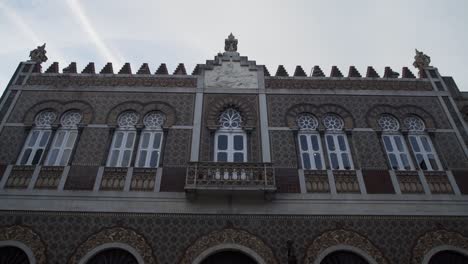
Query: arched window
pixel 343 257
pixel 394 143
pixel 13 255
pixel 310 145
pixel 123 141
pixel 446 256
pixel 421 143
pixel 38 138
pixel 149 149
pixel 64 139
pixel 230 139
pixel 337 143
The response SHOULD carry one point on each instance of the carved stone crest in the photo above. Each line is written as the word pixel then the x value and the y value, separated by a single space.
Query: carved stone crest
pixel 421 60
pixel 39 54
pixel 230 44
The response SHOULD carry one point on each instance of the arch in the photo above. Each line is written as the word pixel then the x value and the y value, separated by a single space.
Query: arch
pixel 123 238
pixel 319 112
pixel 229 239
pixel 373 115
pixel 435 241
pixel 247 111
pixel 347 248
pixel 27 240
pixel 342 239
pixel 113 245
pixel 443 248
pixel 142 109
pixel 399 112
pixel 60 108
pixel 408 110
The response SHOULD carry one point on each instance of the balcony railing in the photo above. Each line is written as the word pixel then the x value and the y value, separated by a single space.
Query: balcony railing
pixel 230 176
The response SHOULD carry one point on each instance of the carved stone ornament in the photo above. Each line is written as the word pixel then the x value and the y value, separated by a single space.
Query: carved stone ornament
pixel 28 237
pixel 421 60
pixel 434 239
pixel 115 235
pixel 230 236
pixel 343 237
pixel 230 44
pixel 39 54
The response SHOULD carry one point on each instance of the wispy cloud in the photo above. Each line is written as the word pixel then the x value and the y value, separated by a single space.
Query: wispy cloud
pixel 104 50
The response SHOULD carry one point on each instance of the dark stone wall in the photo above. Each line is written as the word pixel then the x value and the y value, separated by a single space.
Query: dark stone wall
pixel 450 150
pixel 11 142
pixel 369 151
pixel 170 235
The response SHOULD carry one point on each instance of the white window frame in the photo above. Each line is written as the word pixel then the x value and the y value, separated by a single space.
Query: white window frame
pixel 122 148
pixel 230 133
pixel 337 151
pixel 396 152
pixel 423 152
pixel 310 151
pixel 66 146
pixel 36 146
pixel 150 148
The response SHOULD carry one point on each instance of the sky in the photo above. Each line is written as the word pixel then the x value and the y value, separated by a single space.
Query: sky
pixel 333 32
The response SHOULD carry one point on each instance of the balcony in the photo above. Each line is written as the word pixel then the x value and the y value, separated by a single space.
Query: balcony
pixel 229 176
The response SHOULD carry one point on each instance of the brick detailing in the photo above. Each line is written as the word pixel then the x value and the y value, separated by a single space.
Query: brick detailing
pixel 409 182
pixel 283 149
pixel 28 237
pixel 335 72
pixel 162 70
pixel 316 181
pixel 126 69
pixel 346 181
pixel 92 147
pixel 371 73
pixel 317 72
pixel 143 179
pixel 265 71
pixel 450 150
pixel 401 112
pixel 353 72
pixel 173 179
pixel 434 239
pixel 287 180
pixel 108 69
pixel 389 73
pixel 318 111
pixel 461 177
pixel 49 177
pixel 196 70
pixel 135 80
pixel 53 68
pixel 7 104
pixel 177 147
pixel 438 182
pixel 180 70
pixel 37 68
pixel 370 154
pixel 89 68
pixel 377 181
pixel 406 73
pixel 70 68
pixel 144 69
pixel 12 140
pixel 281 72
pixel 299 72
pixel 20 177
pixel 81 178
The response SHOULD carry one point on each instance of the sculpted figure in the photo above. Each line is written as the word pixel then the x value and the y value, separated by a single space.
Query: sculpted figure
pixel 230 44
pixel 39 54
pixel 421 60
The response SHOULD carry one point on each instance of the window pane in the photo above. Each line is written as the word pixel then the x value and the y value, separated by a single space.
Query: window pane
pixel 433 162
pixel 314 141
pixel 222 142
pixel 399 143
pixel 71 139
pixel 154 159
pixel 334 161
pixel 25 157
pixel 414 144
pixel 157 140
pixel 306 160
pixel 425 144
pixel 65 156
pixel 238 142
pixel 126 158
pixel 114 157
pixel 330 143
pixel 303 142
pixel 145 140
pixel 341 142
pixel 388 143
pixel 142 160
pixel 53 157
pixel 130 138
pixel 318 161
pixel 59 141
pixel 393 161
pixel 404 159
pixel 222 156
pixel 32 140
pixel 346 163
pixel 37 157
pixel 238 157
pixel 420 160
pixel 118 140
pixel 44 139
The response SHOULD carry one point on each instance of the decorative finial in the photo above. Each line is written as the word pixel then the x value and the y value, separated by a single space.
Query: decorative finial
pixel 39 54
pixel 421 60
pixel 230 44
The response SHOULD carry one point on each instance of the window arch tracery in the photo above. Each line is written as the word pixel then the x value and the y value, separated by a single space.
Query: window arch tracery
pixel 230 139
pixel 230 119
pixel 310 146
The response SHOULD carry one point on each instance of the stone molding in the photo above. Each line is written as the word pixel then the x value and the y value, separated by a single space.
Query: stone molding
pixel 115 235
pixel 247 111
pixel 28 237
pixel 434 239
pixel 229 236
pixel 342 237
pixel 60 108
pixel 318 111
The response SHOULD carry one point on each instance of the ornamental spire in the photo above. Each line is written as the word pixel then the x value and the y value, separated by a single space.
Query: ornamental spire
pixel 421 60
pixel 230 44
pixel 38 54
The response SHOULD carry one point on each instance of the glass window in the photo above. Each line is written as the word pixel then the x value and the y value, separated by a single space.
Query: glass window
pixel 230 139
pixel 123 141
pixel 149 148
pixel 310 150
pixel 340 158
pixel 397 152
pixel 424 152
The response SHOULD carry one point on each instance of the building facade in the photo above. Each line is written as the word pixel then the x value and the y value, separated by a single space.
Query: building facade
pixel 230 164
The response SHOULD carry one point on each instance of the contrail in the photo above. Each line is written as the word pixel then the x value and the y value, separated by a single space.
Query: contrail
pixel 84 21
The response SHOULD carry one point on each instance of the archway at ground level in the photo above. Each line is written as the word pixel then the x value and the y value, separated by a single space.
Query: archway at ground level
pixel 448 256
pixel 343 257
pixel 114 256
pixel 229 257
pixel 13 255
